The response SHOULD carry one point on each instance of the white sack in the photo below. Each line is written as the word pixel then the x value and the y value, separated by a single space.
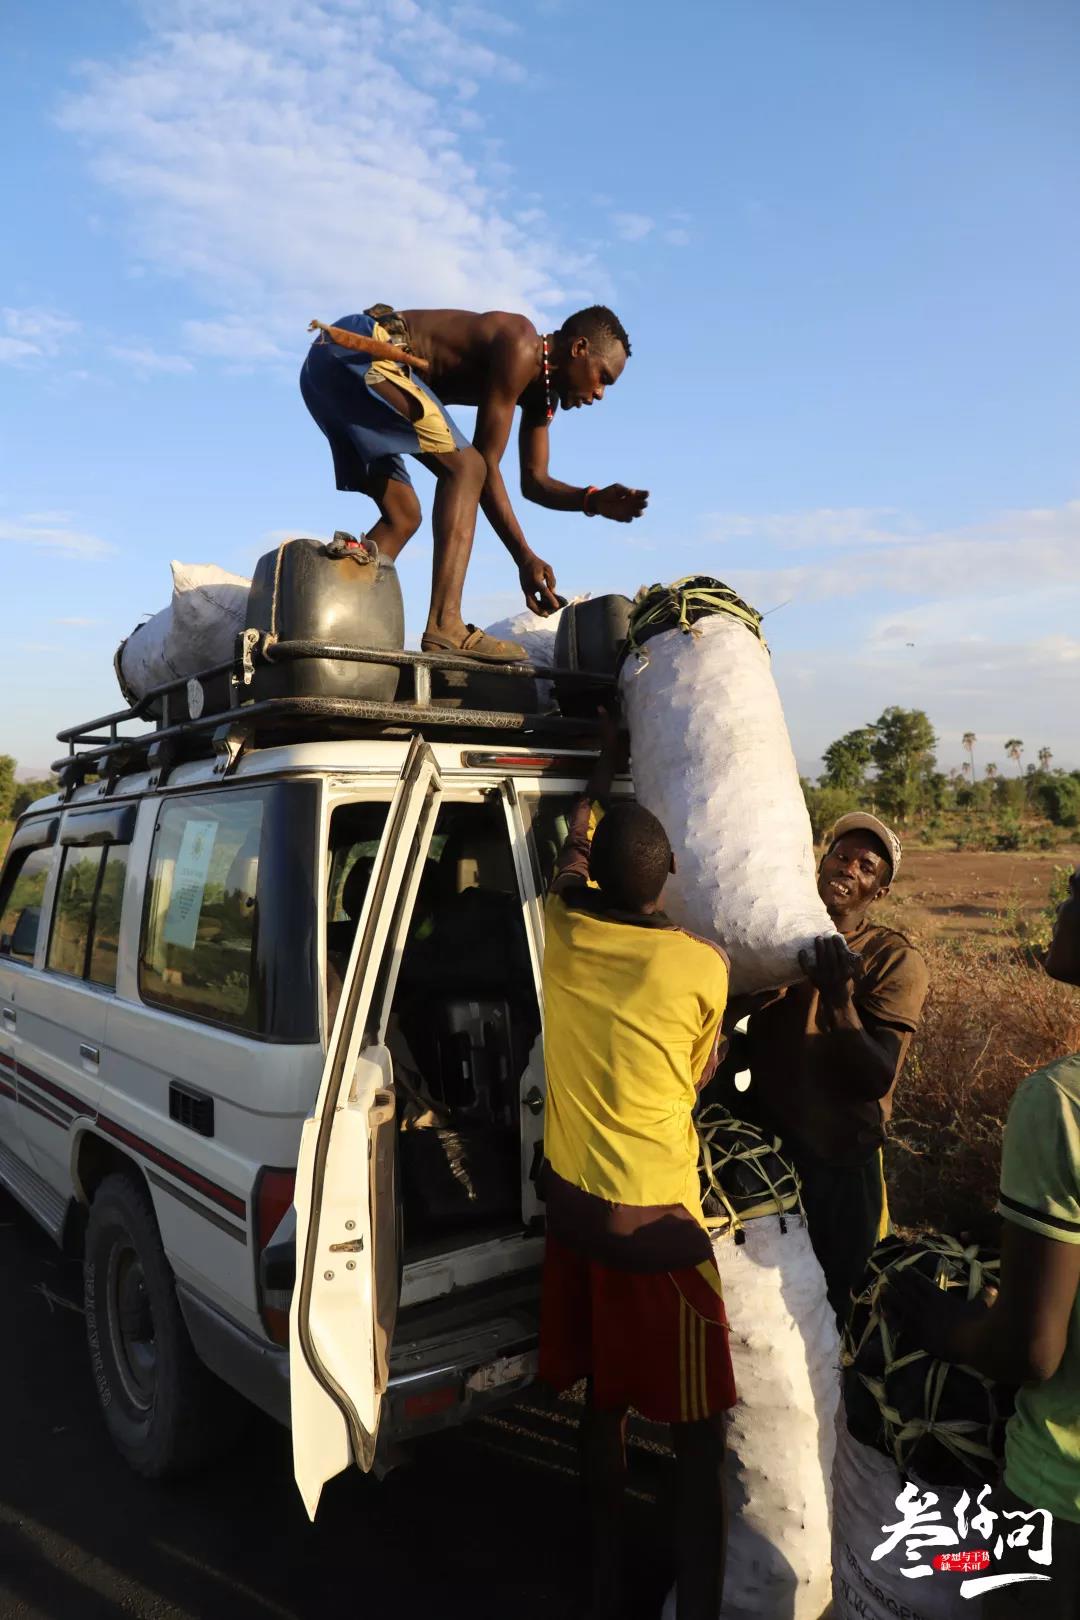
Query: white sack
pixel 196 630
pixel 866 1485
pixel 710 756
pixel 781 1433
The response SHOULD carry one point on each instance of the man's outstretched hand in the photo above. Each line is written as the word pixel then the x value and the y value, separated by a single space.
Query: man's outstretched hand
pixel 620 504
pixel 832 968
pixel 538 582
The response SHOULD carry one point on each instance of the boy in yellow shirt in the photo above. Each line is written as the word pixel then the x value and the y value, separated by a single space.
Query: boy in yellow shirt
pixel 631 1294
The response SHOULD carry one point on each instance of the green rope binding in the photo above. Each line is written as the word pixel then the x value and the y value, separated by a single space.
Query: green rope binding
pixel 749 1147
pixel 680 605
pixel 957 1266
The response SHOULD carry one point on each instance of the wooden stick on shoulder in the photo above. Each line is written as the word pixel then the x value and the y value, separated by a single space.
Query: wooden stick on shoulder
pixel 377 349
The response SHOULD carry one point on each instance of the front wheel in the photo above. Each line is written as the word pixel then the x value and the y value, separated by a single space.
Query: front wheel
pixel 163 1409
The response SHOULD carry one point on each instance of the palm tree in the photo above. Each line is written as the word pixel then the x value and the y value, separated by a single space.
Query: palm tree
pixel 1014 748
pixel 969 740
pixel 991 771
pixel 1045 756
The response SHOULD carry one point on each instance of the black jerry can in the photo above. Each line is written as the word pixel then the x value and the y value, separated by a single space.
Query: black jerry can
pixel 589 640
pixel 338 593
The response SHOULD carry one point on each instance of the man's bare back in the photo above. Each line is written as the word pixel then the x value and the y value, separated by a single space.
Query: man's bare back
pixel 497 362
pixel 463 349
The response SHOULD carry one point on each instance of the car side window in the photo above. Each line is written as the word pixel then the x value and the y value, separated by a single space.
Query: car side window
pixel 86 914
pixel 202 916
pixel 106 934
pixel 21 893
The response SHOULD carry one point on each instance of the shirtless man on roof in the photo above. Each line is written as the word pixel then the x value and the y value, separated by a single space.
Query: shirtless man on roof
pixel 375 408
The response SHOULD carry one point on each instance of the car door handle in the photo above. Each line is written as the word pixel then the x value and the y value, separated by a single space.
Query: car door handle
pixel 533 1100
pixel 92 1054
pixel 9 1018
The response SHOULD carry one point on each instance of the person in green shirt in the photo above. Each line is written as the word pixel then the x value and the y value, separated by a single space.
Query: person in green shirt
pixel 1030 1333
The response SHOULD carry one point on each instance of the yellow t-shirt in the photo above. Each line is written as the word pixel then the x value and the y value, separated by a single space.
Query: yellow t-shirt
pixel 632 1013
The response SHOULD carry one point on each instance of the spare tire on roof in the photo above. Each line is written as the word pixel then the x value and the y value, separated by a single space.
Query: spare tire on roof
pixel 939 1421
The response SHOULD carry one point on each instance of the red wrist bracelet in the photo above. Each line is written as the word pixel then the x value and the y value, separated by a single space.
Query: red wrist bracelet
pixel 593 489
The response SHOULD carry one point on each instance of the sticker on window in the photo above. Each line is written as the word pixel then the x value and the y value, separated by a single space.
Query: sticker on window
pixel 189 884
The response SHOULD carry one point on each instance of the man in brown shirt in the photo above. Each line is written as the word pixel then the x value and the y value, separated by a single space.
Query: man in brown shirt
pixel 825 1054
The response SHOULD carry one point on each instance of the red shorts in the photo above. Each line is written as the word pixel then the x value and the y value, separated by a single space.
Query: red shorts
pixel 656 1341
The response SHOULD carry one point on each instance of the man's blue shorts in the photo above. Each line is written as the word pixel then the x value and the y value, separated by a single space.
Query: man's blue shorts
pixel 368 437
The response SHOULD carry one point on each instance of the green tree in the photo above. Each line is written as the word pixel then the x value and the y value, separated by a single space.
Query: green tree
pixel 825 806
pixel 1014 748
pixel 1059 798
pixel 991 771
pixel 969 740
pixel 903 752
pixel 27 793
pixel 7 785
pixel 847 761
pixel 1011 793
pixel 1045 756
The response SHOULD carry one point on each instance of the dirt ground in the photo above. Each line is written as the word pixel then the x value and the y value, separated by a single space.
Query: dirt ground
pixel 949 895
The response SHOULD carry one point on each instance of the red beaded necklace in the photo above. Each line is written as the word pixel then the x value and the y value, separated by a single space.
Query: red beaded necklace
pixel 547 379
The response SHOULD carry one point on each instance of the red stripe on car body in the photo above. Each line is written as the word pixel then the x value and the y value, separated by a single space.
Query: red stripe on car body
pixel 209 1189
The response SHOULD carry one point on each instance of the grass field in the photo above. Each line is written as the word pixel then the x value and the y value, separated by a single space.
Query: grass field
pixel 992 1017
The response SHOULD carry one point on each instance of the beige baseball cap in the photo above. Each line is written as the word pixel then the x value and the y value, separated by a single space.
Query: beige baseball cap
pixel 862 820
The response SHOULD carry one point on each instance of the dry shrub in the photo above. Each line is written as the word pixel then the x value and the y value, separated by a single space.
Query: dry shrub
pixel 991 1018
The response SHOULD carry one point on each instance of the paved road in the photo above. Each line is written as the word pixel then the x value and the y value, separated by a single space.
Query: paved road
pixel 475 1526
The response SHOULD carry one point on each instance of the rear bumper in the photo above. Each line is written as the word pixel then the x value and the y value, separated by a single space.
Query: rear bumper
pixel 455 1359
pixel 452 1359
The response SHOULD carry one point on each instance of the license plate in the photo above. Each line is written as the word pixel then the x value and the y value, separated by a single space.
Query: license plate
pixel 504 1370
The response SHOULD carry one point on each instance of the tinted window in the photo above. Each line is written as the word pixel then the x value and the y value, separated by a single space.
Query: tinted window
pixel 72 911
pixel 86 914
pixel 199 948
pixel 355 834
pixel 20 902
pixel 106 936
pixel 228 930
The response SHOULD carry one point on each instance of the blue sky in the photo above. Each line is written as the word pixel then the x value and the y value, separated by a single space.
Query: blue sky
pixel 843 238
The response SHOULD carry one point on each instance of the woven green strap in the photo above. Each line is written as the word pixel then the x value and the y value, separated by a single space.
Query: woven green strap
pixel 954 1435
pixel 713 1157
pixel 677 606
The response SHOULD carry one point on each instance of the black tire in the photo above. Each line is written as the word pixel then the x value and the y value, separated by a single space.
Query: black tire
pixel 165 1412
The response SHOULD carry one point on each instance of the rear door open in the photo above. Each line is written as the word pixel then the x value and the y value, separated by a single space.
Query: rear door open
pixel 345 1299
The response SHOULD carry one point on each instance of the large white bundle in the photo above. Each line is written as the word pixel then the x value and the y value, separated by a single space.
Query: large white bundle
pixel 781 1433
pixel 196 630
pixel 711 757
pixel 866 1485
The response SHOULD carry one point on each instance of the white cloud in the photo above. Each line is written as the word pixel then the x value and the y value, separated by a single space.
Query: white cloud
pixel 144 360
pixel 293 159
pixel 679 237
pixel 976 624
pixel 1016 551
pixel 823 526
pixel 29 335
pixel 633 227
pixel 77 623
pixel 61 540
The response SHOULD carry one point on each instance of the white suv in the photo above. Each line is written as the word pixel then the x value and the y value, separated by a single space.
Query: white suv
pixel 305 974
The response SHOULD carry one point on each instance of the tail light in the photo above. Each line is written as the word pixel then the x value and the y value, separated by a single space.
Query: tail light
pixel 273 1199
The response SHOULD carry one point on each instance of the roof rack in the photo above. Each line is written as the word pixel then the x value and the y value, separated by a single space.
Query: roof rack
pixel 190 718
